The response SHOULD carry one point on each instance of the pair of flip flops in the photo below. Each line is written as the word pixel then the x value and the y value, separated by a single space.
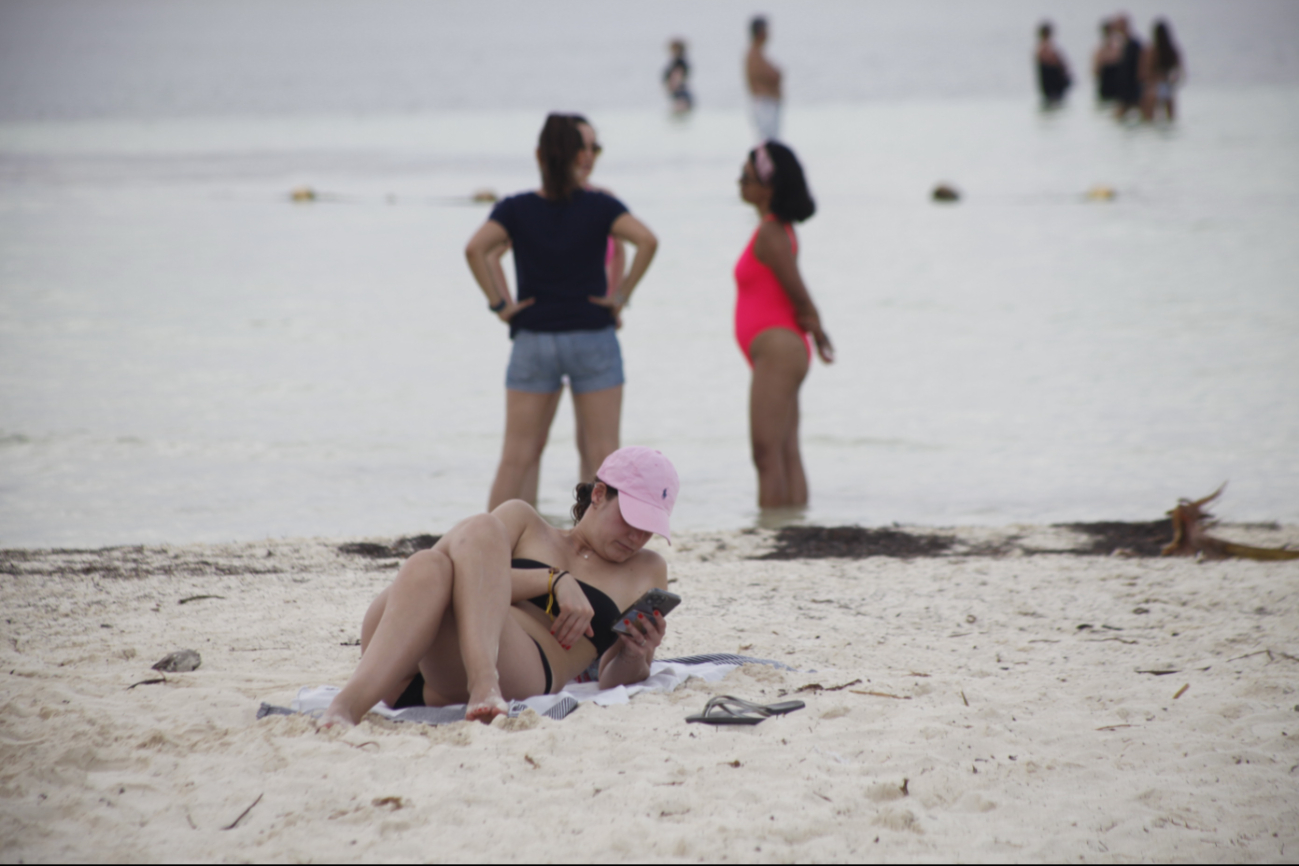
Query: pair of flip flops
pixel 727 710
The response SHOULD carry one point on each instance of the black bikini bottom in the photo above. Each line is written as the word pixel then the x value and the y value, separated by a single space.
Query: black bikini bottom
pixel 414 694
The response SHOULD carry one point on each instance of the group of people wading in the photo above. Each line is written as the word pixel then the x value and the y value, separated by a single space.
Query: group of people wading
pixel 567 239
pixel 1128 75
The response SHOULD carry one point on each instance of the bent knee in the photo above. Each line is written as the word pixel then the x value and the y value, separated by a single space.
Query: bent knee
pixel 426 566
pixel 429 559
pixel 480 529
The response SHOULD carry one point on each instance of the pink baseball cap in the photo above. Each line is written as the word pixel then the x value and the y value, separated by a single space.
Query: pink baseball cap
pixel 647 487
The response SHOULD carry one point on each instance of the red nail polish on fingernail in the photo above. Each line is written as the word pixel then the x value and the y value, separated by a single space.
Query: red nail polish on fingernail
pixel 640 616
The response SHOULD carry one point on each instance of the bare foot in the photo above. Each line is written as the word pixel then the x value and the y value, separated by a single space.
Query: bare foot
pixel 485 710
pixel 336 715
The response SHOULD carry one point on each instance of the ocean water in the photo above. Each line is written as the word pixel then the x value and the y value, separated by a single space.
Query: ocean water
pixel 187 355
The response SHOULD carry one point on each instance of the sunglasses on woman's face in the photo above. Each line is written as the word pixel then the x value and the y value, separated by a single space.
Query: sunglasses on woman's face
pixel 596 148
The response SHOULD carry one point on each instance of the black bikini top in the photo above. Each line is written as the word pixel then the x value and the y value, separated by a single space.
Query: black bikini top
pixel 606 612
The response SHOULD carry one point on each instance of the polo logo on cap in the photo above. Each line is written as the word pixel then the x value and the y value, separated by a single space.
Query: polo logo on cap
pixel 665 493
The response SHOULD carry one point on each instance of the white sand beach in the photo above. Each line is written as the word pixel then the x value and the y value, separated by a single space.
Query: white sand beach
pixel 1006 705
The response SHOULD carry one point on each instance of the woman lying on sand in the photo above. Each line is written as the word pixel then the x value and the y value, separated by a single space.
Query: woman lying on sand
pixel 505 606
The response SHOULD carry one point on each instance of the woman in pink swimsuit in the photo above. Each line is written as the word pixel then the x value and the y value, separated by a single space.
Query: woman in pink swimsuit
pixel 774 319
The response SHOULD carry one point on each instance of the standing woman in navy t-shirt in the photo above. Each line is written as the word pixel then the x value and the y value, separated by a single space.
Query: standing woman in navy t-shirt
pixel 562 323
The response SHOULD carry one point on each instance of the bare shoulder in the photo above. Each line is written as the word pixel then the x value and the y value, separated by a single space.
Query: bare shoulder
pixel 653 566
pixel 518 516
pixel 772 241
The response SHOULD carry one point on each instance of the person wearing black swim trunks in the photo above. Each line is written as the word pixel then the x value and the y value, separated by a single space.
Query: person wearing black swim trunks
pixel 505 606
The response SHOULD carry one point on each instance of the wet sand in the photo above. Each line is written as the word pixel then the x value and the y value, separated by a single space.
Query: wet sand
pixel 1017 693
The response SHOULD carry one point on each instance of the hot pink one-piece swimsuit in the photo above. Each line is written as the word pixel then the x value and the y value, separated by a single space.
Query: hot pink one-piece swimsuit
pixel 761 302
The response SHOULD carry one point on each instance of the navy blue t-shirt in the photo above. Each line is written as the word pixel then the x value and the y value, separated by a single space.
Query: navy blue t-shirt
pixel 559 250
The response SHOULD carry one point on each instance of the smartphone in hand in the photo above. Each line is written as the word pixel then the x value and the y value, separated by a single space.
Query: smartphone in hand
pixel 656 599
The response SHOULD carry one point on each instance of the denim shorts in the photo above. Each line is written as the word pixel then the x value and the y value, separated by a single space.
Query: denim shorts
pixel 592 361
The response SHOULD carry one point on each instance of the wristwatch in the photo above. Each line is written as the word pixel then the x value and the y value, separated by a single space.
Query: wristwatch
pixel 498 306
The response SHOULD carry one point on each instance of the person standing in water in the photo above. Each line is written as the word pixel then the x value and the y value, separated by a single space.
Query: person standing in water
pixel 615 265
pixel 563 322
pixel 1127 84
pixel 764 79
pixel 1161 72
pixel 1052 71
pixel 774 317
pixel 676 78
pixel 1105 62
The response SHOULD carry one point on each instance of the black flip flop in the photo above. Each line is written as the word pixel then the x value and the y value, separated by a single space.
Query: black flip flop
pixel 777 709
pixel 727 710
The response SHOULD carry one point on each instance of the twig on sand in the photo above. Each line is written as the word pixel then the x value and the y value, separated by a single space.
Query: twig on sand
pixel 199 598
pixel 1268 653
pixel 881 695
pixel 1271 656
pixel 1191 525
pixel 1113 727
pixel 1181 691
pixel 817 687
pixel 964 699
pixel 152 682
pixel 236 821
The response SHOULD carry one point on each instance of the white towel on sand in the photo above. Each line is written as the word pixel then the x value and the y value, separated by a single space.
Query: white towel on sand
pixel 664 677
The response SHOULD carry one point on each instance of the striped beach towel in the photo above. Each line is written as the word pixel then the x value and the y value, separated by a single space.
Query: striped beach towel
pixel 664 675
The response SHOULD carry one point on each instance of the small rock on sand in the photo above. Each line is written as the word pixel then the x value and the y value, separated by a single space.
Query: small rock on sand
pixel 179 662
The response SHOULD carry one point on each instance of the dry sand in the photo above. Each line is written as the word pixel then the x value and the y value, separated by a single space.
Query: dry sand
pixel 1005 710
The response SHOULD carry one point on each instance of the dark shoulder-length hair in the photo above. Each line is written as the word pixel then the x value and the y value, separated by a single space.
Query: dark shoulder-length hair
pixel 557 148
pixel 1166 56
pixel 791 200
pixel 582 493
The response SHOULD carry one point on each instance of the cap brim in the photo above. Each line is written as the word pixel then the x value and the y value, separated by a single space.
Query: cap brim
pixel 649 518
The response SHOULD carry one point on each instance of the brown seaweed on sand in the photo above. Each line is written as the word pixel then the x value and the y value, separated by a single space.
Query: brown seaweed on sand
pixel 1191 525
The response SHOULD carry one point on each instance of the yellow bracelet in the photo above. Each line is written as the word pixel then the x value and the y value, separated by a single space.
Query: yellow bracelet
pixel 550 590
